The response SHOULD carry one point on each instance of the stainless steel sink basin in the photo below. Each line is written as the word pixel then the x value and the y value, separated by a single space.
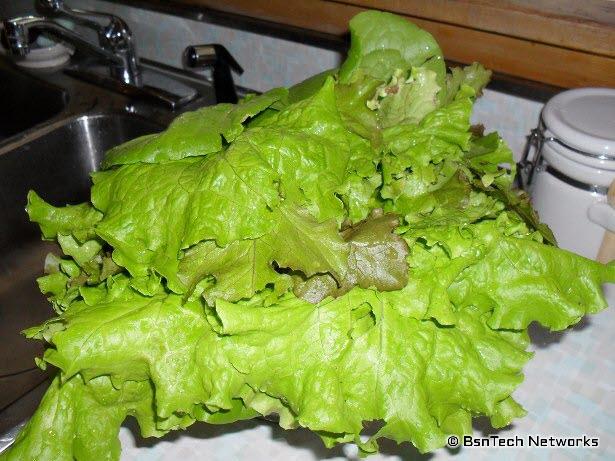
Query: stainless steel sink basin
pixel 56 163
pixel 26 101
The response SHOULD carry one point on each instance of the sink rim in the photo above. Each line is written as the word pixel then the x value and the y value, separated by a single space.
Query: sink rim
pixel 19 140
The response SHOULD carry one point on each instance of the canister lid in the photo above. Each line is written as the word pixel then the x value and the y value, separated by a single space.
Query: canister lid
pixel 583 119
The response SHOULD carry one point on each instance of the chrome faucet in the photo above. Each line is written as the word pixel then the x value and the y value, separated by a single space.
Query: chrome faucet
pixel 115 39
pixel 138 78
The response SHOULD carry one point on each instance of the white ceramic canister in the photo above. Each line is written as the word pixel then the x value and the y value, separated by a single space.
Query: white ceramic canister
pixel 569 164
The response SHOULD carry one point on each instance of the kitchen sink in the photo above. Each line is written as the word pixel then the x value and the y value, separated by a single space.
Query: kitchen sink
pixel 55 128
pixel 26 101
pixel 56 163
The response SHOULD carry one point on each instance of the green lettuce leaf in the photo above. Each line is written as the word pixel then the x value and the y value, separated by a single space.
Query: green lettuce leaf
pixel 346 347
pixel 297 242
pixel 382 42
pixel 557 288
pixel 78 220
pixel 79 421
pixel 197 133
pixel 352 104
pixel 475 76
pixel 407 100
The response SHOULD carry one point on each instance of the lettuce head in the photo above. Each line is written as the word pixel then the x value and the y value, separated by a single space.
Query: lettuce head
pixel 345 251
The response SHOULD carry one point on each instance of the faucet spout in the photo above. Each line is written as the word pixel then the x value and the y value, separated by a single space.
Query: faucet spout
pixel 113 35
pixel 116 44
pixel 16 35
pixel 17 32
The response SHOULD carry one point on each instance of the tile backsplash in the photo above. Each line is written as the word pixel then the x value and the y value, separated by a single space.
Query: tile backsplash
pixel 269 62
pixel 513 117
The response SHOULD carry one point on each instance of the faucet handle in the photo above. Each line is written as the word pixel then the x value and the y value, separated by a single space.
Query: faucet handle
pixel 55 5
pixel 83 17
pixel 113 32
pixel 218 57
